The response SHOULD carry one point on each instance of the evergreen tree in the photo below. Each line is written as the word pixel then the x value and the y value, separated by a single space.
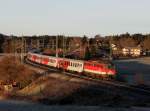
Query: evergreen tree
pixel 87 54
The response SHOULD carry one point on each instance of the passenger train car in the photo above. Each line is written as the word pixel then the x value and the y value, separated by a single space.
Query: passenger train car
pixel 88 68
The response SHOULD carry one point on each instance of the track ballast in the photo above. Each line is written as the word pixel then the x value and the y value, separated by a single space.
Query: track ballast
pixel 133 91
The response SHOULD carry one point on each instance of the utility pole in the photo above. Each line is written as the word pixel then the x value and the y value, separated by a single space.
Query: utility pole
pixel 38 43
pixel 13 45
pixel 63 47
pixel 53 44
pixel 25 46
pixel 22 48
pixel 56 46
pixel 43 43
pixel 63 51
pixel 110 47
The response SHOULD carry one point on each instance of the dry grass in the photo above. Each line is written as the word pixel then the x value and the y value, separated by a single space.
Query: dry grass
pixel 65 92
pixel 11 70
pixel 59 88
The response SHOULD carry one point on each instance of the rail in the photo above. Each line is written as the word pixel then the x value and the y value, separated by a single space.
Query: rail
pixel 99 81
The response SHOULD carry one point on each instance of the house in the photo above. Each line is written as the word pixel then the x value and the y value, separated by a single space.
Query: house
pixel 131 51
pixel 126 51
pixel 114 47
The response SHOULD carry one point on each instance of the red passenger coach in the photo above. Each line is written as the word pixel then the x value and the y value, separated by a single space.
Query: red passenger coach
pixel 44 60
pixel 32 57
pixel 38 58
pixel 63 63
pixel 70 64
pixel 29 56
pixel 49 61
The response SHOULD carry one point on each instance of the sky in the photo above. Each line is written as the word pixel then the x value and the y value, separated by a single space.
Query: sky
pixel 74 17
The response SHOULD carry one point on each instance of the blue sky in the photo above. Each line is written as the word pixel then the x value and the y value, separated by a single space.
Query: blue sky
pixel 74 17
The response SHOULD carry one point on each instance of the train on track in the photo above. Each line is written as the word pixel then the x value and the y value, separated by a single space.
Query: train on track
pixel 86 68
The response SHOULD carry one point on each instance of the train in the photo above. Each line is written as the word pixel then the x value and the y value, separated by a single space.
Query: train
pixel 92 69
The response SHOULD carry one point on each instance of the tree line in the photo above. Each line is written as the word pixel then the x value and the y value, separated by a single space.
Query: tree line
pixel 122 40
pixel 127 40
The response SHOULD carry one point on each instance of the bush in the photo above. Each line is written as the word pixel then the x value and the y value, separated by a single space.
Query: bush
pixel 13 71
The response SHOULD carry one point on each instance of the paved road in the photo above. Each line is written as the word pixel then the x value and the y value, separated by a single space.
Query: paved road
pixel 134 69
pixel 11 105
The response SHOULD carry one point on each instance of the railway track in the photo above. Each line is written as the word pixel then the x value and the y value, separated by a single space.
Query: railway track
pixel 123 88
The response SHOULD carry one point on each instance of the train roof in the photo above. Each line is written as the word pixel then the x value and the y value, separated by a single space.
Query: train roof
pixel 99 61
